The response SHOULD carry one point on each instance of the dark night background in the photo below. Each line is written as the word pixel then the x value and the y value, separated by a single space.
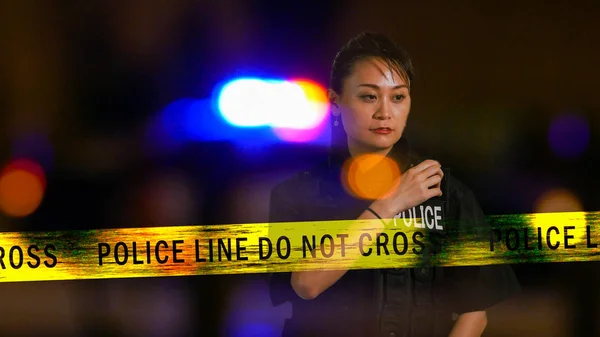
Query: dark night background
pixel 81 81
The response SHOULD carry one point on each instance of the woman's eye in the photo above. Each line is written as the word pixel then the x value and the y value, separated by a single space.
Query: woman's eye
pixel 368 97
pixel 399 97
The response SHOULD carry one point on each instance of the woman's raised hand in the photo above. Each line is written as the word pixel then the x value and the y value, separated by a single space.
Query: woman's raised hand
pixel 415 186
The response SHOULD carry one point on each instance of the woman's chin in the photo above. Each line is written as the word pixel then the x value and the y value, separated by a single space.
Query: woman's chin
pixel 382 144
pixel 374 144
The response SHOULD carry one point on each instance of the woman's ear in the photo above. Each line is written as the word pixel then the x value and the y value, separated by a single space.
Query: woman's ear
pixel 333 100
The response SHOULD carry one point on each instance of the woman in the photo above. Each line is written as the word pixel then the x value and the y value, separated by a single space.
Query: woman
pixel 370 89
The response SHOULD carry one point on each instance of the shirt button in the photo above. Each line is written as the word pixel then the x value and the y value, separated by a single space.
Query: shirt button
pixel 392 334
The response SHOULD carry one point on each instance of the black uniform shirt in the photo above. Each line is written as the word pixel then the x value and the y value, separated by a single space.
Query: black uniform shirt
pixel 393 302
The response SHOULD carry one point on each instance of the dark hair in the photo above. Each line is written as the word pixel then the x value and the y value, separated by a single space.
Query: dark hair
pixel 366 45
pixel 362 46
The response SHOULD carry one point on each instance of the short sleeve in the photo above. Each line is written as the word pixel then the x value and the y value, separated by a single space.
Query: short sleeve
pixel 281 209
pixel 481 287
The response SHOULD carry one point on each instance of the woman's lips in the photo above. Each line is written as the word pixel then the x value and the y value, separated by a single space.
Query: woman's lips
pixel 382 131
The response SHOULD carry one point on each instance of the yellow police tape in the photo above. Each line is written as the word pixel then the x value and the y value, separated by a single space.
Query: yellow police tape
pixel 301 246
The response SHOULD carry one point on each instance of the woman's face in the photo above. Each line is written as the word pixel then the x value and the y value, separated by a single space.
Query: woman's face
pixel 374 105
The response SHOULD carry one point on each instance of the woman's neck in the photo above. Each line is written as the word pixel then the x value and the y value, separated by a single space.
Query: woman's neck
pixel 375 156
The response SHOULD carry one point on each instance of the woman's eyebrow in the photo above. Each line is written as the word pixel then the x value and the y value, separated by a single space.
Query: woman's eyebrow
pixel 375 86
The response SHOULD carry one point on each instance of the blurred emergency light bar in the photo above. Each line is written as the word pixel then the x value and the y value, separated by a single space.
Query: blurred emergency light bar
pixel 247 111
pixel 295 109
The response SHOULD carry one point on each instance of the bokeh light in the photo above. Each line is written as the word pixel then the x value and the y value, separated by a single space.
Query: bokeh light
pixel 245 111
pixel 308 121
pixel 22 187
pixel 371 176
pixel 249 102
pixel 36 146
pixel 561 202
pixel 184 121
pixel 166 131
pixel 306 109
pixel 558 200
pixel 295 109
pixel 255 330
pixel 569 135
pixel 300 135
pixel 251 313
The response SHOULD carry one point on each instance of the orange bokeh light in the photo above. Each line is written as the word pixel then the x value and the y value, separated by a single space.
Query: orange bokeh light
pixel 558 200
pixel 371 176
pixel 313 91
pixel 22 185
pixel 317 98
pixel 318 102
